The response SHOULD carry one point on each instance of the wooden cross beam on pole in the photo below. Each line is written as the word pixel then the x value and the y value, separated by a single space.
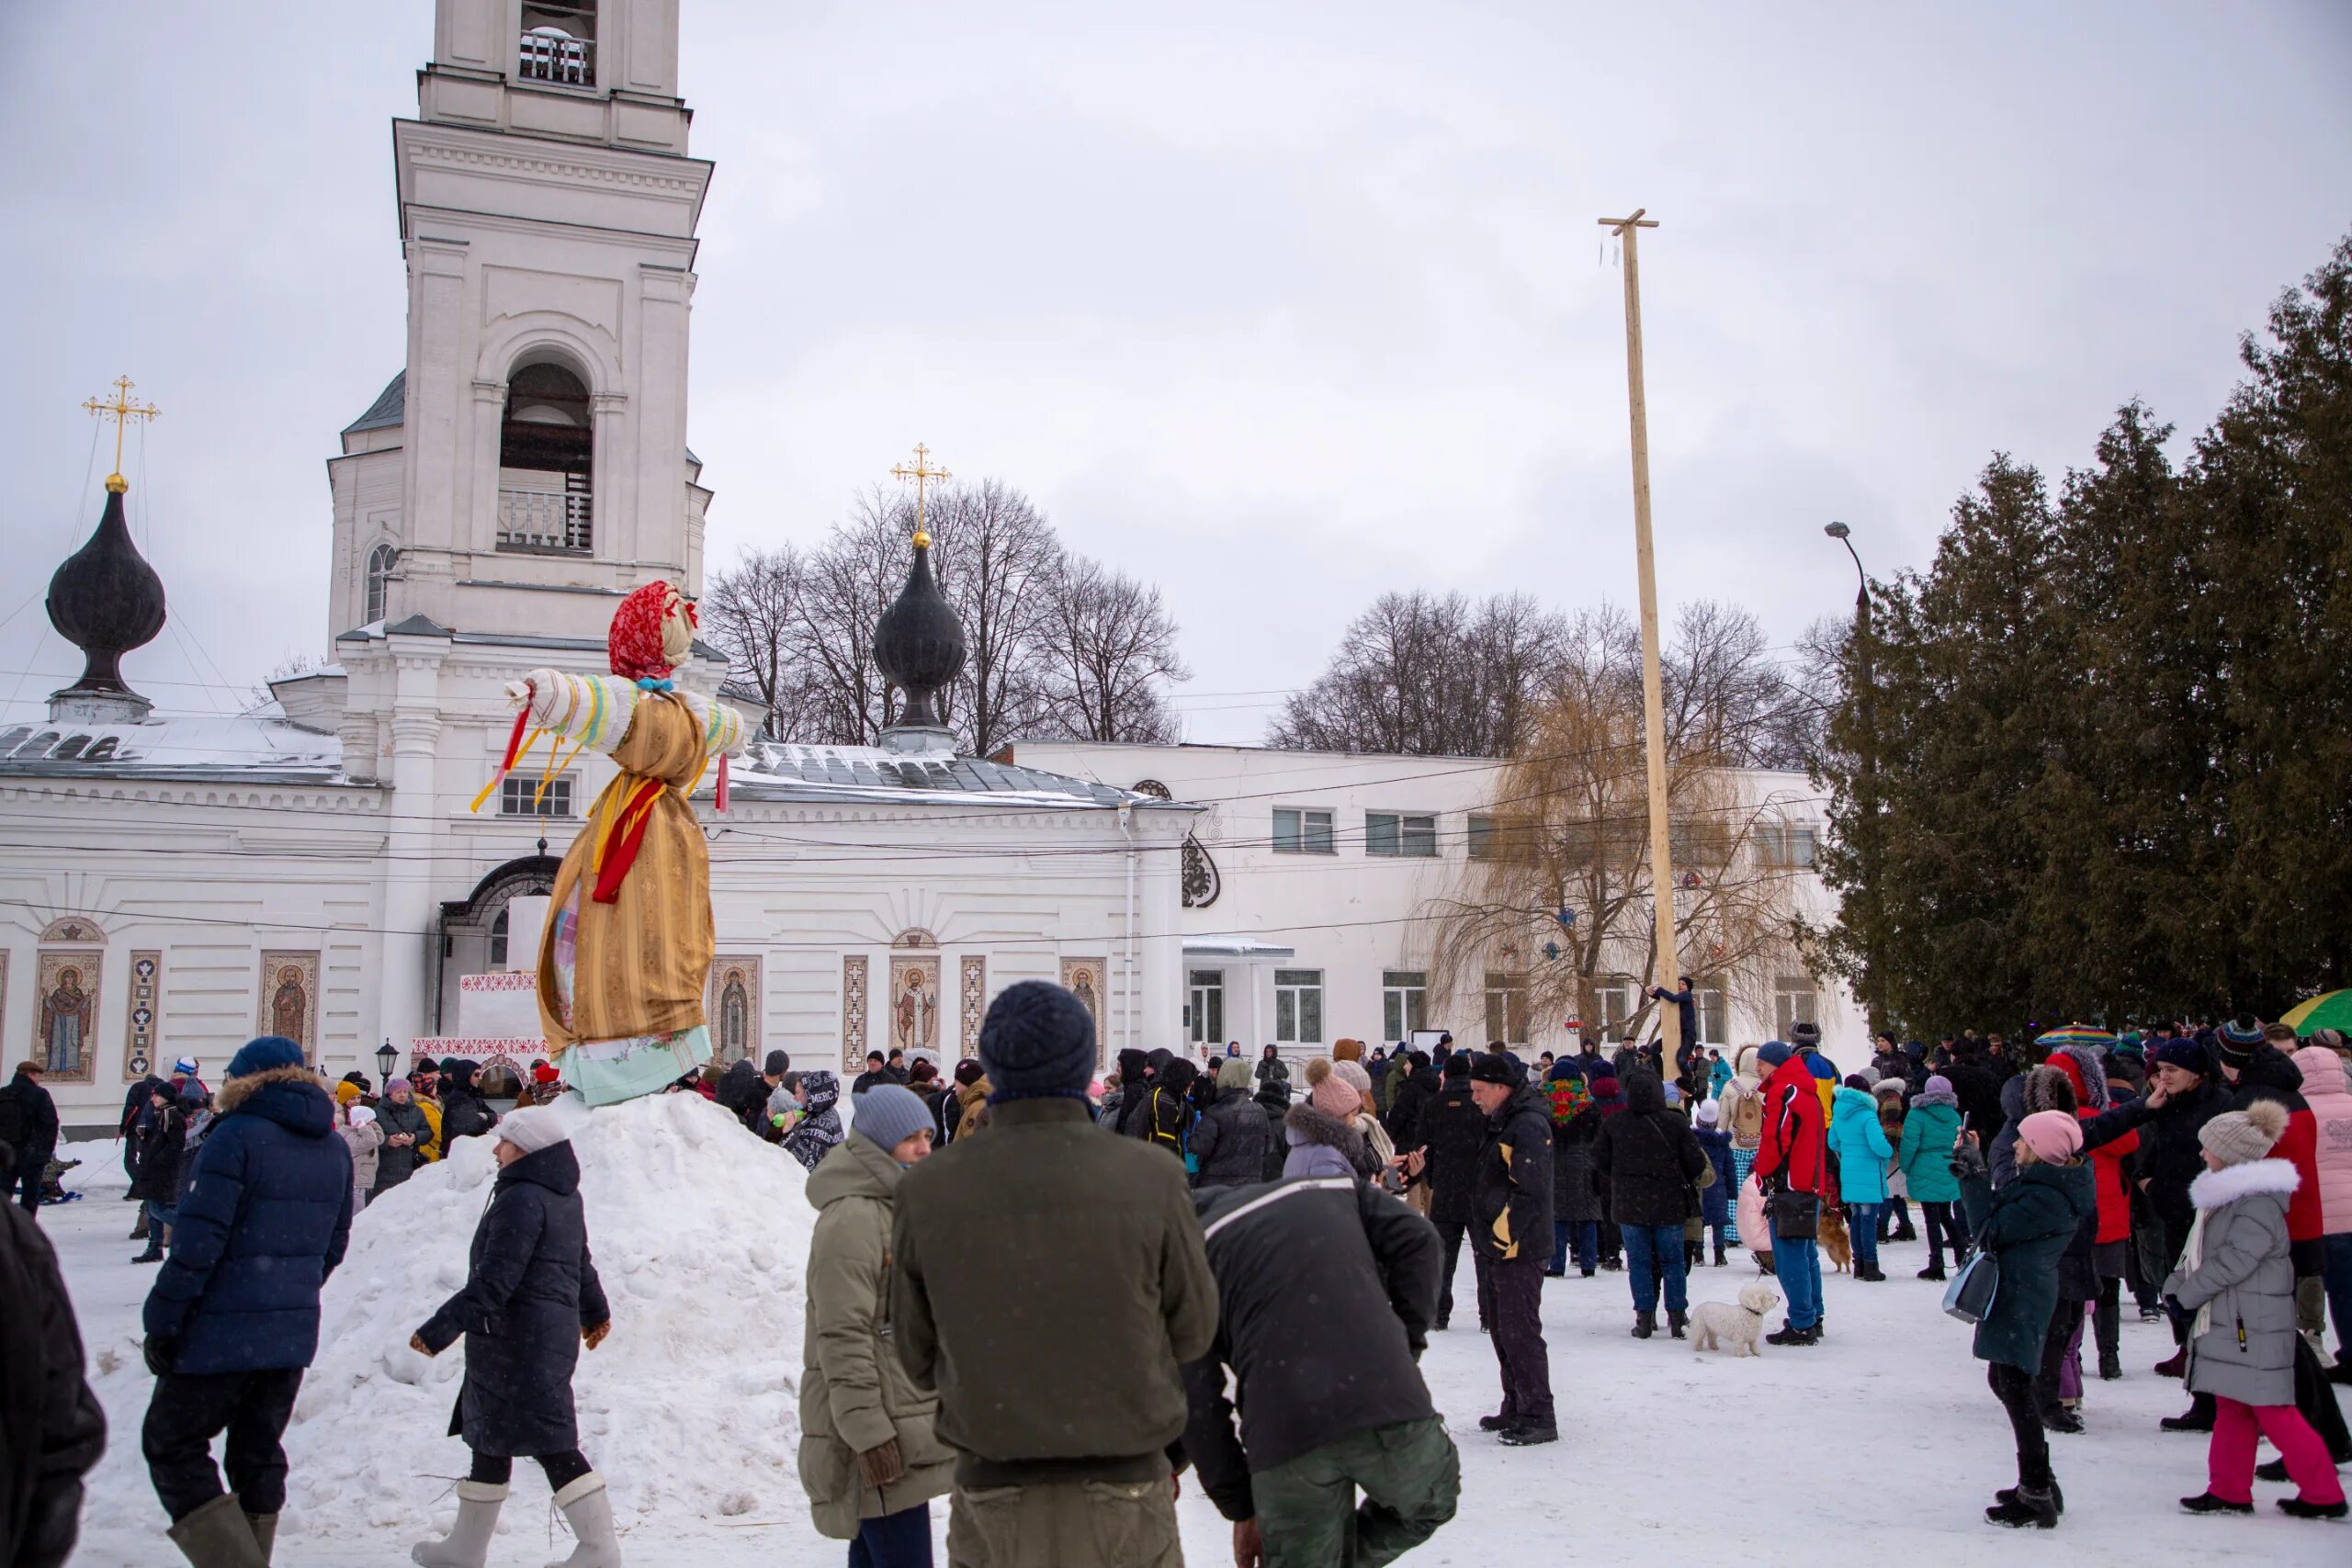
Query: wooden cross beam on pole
pixel 1667 968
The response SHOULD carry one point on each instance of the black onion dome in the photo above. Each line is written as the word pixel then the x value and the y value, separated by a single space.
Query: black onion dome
pixel 919 643
pixel 106 600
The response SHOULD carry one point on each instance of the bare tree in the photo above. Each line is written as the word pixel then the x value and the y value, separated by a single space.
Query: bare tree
pixel 1109 646
pixel 754 611
pixel 996 558
pixel 850 582
pixel 1429 675
pixel 1570 831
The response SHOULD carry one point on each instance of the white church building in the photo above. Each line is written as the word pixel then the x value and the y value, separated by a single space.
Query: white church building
pixel 176 886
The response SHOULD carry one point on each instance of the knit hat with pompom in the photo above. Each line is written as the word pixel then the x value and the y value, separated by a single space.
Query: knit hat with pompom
pixel 2240 1137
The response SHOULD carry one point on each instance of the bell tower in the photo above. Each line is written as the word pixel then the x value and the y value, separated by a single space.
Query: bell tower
pixel 547 209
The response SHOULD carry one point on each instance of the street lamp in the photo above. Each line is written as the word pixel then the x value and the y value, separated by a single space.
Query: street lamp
pixel 1866 774
pixel 386 1060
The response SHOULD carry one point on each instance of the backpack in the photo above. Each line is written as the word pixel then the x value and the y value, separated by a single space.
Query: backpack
pixel 1748 1121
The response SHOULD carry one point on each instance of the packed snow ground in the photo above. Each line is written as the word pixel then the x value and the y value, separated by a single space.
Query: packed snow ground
pixel 1881 1444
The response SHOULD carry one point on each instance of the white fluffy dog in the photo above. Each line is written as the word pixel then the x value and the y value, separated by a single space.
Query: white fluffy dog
pixel 1715 1324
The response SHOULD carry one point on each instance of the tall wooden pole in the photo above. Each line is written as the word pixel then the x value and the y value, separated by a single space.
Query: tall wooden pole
pixel 1670 1023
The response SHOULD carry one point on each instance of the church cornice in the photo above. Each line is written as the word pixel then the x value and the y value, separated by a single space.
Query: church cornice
pixel 509 154
pixel 196 789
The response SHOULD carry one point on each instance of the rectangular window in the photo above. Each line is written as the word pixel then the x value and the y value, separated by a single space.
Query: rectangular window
pixel 1784 844
pixel 1298 1007
pixel 1618 996
pixel 1298 831
pixel 515 796
pixel 1506 1007
pixel 1404 1003
pixel 1714 1017
pixel 1792 1003
pixel 1392 833
pixel 1705 845
pixel 1480 837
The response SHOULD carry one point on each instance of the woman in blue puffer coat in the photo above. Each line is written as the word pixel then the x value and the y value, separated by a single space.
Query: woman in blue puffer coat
pixel 233 1317
pixel 1862 1151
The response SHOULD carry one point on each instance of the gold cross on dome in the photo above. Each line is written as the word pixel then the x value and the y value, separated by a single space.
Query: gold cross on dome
pixel 124 412
pixel 921 473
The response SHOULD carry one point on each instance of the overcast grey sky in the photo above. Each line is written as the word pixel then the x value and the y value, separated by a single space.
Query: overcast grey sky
pixel 1277 306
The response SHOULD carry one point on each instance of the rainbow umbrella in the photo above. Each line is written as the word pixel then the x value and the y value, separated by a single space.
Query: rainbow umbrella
pixel 2329 1010
pixel 2076 1035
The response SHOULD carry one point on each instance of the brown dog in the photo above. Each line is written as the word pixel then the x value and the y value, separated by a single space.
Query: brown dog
pixel 1835 1245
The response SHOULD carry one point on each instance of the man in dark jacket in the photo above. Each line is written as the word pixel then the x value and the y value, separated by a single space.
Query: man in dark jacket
pixel 157 1185
pixel 407 1136
pixel 1511 1207
pixel 233 1317
pixel 1453 1135
pixel 1649 1161
pixel 1326 1288
pixel 464 1112
pixel 28 1125
pixel 1270 1066
pixel 1273 1101
pixel 744 1088
pixel 1229 1140
pixel 1041 1247
pixel 1418 1084
pixel 1166 1120
pixel 54 1428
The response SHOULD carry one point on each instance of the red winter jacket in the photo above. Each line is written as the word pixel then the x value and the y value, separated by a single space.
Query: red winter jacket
pixel 2107 1160
pixel 1793 1128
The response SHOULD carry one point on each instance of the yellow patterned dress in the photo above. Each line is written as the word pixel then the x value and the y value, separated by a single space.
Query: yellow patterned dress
pixel 625 956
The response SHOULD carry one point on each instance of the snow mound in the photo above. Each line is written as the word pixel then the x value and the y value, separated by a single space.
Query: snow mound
pixel 690 1408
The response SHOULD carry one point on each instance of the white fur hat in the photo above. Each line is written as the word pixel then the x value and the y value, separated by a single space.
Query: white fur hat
pixel 361 1116
pixel 543 1126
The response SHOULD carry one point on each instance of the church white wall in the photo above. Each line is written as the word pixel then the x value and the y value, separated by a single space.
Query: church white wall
pixel 1352 915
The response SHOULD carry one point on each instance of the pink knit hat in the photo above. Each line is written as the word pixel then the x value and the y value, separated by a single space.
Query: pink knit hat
pixel 1336 1098
pixel 2054 1136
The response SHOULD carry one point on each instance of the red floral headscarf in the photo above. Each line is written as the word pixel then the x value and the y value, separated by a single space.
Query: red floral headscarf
pixel 652 631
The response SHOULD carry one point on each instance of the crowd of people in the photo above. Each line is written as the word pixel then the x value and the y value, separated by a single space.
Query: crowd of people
pixel 1262 1247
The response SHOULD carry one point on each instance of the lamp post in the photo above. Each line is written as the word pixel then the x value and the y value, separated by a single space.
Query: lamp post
pixel 1866 769
pixel 386 1060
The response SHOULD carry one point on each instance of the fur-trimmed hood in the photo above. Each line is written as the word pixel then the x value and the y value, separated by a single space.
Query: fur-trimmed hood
pixel 1305 1124
pixel 295 1097
pixel 2046 1088
pixel 2085 1072
pixel 1936 1096
pixel 2217 1187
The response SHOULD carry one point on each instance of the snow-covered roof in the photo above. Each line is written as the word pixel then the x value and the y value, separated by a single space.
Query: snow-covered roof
pixel 242 748
pixel 773 771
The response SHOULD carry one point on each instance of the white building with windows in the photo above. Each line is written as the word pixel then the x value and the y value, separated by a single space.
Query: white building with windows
pixel 174 887
pixel 1308 881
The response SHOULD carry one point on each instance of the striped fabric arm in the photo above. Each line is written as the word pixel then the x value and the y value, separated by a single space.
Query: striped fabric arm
pixel 591 710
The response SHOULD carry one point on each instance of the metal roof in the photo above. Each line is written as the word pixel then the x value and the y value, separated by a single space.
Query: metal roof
pixel 384 414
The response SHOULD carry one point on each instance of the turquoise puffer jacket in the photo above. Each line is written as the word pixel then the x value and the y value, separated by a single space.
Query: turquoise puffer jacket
pixel 1860 1145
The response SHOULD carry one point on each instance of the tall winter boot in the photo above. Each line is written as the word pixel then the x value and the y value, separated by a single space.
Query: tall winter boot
pixel 1676 1322
pixel 265 1529
pixel 216 1536
pixel 1645 1325
pixel 138 1226
pixel 468 1542
pixel 1721 1261
pixel 589 1511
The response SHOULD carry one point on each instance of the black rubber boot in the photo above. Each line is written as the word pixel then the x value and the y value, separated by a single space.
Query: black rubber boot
pixel 1676 1322
pixel 2057 1495
pixel 1721 1261
pixel 2026 1506
pixel 1645 1325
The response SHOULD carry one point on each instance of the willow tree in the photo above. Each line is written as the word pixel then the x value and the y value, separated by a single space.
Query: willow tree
pixel 1557 891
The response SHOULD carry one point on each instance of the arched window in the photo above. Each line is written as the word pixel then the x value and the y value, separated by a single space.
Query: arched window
pixel 545 463
pixel 380 562
pixel 498 930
